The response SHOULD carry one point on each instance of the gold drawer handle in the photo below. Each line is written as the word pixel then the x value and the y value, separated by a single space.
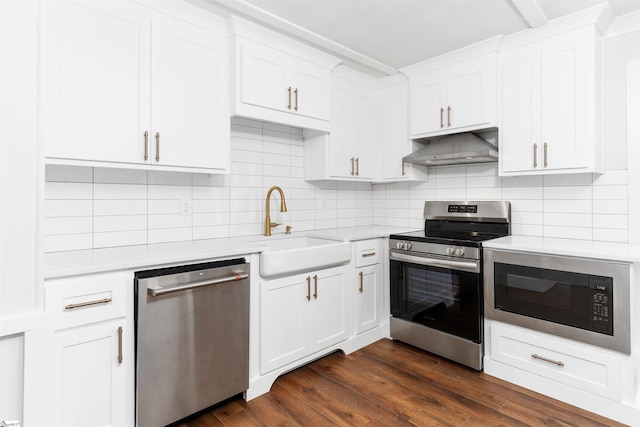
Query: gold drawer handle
pixel 120 345
pixel 544 359
pixel 87 304
pixel 368 254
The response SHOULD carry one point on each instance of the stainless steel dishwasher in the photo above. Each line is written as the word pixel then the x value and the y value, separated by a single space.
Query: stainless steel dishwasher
pixel 192 338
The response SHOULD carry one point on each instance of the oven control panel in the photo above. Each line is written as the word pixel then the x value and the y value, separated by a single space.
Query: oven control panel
pixel 602 308
pixel 402 245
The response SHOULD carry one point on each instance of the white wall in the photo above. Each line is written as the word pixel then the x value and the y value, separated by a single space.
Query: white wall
pixel 100 207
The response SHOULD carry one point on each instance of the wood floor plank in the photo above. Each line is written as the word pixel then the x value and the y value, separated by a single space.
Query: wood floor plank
pixel 393 384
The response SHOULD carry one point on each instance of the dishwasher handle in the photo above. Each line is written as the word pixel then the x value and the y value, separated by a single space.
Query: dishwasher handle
pixel 158 291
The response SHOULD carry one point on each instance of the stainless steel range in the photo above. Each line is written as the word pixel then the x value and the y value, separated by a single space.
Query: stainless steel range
pixel 436 278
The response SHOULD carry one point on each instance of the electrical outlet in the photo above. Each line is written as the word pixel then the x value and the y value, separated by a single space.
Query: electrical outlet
pixel 185 207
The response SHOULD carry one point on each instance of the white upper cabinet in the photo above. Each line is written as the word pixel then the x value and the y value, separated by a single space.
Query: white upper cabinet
pixel 350 151
pixel 368 136
pixel 551 112
pixel 126 86
pixel 457 97
pixel 279 80
pixel 395 136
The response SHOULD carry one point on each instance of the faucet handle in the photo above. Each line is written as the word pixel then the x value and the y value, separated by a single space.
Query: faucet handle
pixel 288 229
pixel 275 224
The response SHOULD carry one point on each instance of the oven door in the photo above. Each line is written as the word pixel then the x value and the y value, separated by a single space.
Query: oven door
pixel 437 292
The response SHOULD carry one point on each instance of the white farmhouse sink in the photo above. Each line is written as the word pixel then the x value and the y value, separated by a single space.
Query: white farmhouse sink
pixel 292 255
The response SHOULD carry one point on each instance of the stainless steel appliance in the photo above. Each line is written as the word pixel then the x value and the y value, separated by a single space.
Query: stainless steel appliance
pixel 436 278
pixel 192 338
pixel 582 299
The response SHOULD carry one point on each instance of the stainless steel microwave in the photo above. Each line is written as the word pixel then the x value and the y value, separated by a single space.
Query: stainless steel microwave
pixel 581 299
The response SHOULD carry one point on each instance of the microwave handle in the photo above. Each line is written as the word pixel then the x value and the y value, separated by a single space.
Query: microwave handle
pixel 454 265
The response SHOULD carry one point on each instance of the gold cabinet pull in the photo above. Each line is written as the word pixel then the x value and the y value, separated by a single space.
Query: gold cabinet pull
pixel 146 145
pixel 357 166
pixel 361 281
pixel 544 359
pixel 295 92
pixel 157 146
pixel 87 304
pixel 441 117
pixel 120 345
pixel 545 154
pixel 403 172
pixel 289 104
pixel 448 116
pixel 315 286
pixel 368 254
pixel 353 159
pixel 308 288
pixel 535 155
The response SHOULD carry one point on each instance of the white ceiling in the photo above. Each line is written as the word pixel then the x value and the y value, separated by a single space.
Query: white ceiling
pixel 385 35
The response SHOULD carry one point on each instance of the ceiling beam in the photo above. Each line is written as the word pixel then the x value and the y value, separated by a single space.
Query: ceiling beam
pixel 531 12
pixel 262 16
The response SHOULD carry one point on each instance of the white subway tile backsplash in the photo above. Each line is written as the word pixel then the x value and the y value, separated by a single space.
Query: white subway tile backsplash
pixel 105 224
pixel 68 173
pixel 119 191
pixel 101 207
pixel 119 207
pixel 62 208
pixel 119 238
pixel 211 232
pixel 68 242
pixel 55 190
pixel 617 222
pixel 163 207
pixel 610 192
pixel 165 235
pixel 68 225
pixel 157 222
pixel 561 232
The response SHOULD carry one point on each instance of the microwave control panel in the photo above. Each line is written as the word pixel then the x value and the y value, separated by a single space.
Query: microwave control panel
pixel 601 290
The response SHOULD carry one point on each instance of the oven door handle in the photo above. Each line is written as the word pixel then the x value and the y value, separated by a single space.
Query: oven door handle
pixel 472 266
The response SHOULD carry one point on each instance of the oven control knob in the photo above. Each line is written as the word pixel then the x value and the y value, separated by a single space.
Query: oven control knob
pixel 450 250
pixel 399 245
pixel 459 252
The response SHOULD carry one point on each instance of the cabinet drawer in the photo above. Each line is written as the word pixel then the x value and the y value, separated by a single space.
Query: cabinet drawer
pixel 576 365
pixel 87 299
pixel 367 252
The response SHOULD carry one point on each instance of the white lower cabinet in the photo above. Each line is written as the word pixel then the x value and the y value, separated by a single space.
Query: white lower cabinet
pixel 597 372
pixel 90 376
pixel 368 285
pixel 300 315
pixel 92 350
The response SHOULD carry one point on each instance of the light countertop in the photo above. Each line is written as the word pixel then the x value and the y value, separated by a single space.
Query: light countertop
pixel 624 252
pixel 60 264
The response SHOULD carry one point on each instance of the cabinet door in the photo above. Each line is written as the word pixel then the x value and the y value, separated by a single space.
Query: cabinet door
pixel 428 99
pixel 565 101
pixel 189 123
pixel 265 78
pixel 283 321
pixel 368 297
pixel 364 138
pixel 96 81
pixel 92 383
pixel 328 315
pixel 471 85
pixel 313 87
pixel 395 140
pixel 340 151
pixel 521 104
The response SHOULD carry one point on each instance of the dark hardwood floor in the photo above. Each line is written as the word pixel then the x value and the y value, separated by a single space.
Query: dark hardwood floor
pixel 393 384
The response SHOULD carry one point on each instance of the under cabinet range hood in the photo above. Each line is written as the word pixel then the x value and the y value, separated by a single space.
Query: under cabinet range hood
pixel 459 148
